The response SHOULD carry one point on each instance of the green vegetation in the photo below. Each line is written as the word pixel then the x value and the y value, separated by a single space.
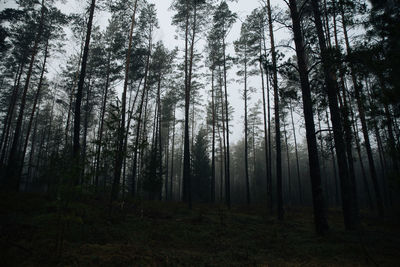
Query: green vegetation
pixel 36 231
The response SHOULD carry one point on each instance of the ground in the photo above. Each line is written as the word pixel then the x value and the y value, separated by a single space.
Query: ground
pixel 38 231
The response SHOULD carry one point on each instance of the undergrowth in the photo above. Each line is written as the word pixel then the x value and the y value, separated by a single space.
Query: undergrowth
pixel 38 231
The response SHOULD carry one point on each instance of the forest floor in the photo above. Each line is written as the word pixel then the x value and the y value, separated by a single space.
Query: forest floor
pixel 35 231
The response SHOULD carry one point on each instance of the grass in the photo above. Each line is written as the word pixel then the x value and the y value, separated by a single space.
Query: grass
pixel 35 231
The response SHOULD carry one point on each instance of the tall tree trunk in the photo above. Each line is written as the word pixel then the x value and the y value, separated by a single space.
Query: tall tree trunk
pixel 9 116
pixel 246 146
pixel 331 148
pixel 101 128
pixel 223 129
pixel 277 120
pixel 297 154
pixel 13 179
pixel 71 98
pixel 137 137
pixel 288 165
pixel 265 122
pixel 213 138
pixel 35 101
pixel 324 173
pixel 85 130
pixel 32 150
pixel 121 131
pixel 171 187
pixel 78 98
pixel 227 177
pixel 383 163
pixel 187 186
pixel 320 221
pixel 349 199
pixel 361 111
pixel 363 172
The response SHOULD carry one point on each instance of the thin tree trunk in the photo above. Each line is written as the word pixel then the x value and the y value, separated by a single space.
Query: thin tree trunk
pixel 324 173
pixel 213 138
pixel 187 187
pixel 277 120
pixel 37 95
pixel 136 147
pixel 71 98
pixel 227 177
pixel 171 187
pixel 331 148
pixel 32 150
pixel 246 146
pixel 288 165
pixel 265 123
pixel 363 172
pixel 297 153
pixel 10 114
pixel 101 129
pixel 121 131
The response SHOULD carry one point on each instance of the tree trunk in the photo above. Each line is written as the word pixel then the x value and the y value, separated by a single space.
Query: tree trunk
pixel 172 158
pixel 297 153
pixel 349 199
pixel 213 139
pixel 9 117
pixel 277 120
pixel 320 221
pixel 13 179
pixel 136 147
pixel 121 131
pixel 37 95
pixel 364 127
pixel 265 124
pixel 71 98
pixel 101 128
pixel 246 146
pixel 78 99
pixel 331 148
pixel 227 176
pixel 187 187
pixel 288 165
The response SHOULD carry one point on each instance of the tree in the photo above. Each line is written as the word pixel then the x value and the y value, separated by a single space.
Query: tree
pixel 321 224
pixel 78 99
pixel 12 168
pixel 276 109
pixel 349 200
pixel 190 17
pixel 121 133
pixel 223 21
pixel 245 53
pixel 201 168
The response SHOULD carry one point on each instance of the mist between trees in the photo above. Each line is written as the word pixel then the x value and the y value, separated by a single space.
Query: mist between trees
pixel 129 118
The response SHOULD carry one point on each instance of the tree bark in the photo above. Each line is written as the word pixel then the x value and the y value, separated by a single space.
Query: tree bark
pixel 297 154
pixel 37 95
pixel 277 120
pixel 321 224
pixel 13 168
pixel 78 99
pixel 121 131
pixel 349 199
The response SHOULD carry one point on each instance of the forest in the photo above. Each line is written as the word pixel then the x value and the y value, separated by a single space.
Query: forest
pixel 200 134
